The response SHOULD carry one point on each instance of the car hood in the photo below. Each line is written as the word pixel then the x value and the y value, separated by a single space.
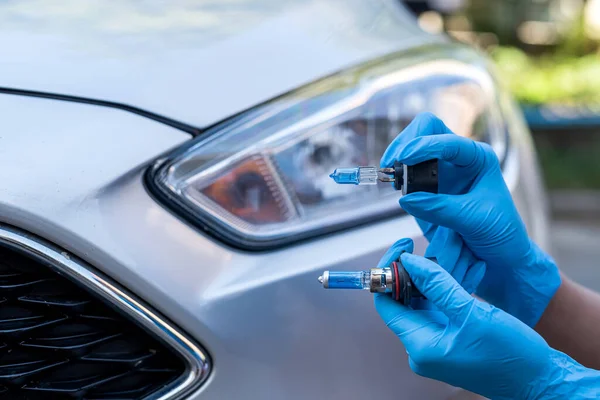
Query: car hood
pixel 197 62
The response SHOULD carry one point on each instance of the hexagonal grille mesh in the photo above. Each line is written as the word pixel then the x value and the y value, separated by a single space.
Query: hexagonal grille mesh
pixel 58 341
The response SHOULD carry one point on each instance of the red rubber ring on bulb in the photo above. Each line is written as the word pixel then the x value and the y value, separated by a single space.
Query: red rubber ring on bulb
pixel 397 279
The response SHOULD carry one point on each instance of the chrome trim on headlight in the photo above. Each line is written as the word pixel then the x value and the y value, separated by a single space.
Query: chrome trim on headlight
pixel 196 360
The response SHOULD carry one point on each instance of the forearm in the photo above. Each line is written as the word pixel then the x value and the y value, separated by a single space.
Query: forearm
pixel 571 323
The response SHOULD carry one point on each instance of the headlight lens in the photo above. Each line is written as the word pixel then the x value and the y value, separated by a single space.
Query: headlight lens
pixel 262 180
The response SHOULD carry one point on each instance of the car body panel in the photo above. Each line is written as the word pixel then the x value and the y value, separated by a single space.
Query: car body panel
pixel 196 62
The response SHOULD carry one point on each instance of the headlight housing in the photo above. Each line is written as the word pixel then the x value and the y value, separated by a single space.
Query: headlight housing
pixel 261 179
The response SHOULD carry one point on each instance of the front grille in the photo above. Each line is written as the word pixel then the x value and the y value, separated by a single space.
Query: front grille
pixel 59 341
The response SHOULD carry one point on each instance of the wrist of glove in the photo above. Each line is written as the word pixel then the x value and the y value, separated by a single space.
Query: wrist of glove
pixel 474 345
pixel 568 380
pixel 526 292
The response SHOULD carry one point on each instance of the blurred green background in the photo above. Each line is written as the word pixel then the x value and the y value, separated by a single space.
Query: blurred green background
pixel 548 53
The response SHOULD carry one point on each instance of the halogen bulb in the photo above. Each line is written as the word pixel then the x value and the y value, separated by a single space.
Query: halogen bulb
pixel 355 176
pixel 346 280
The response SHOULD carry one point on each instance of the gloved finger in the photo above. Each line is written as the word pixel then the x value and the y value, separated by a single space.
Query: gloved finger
pixel 454 149
pixel 439 209
pixel 393 253
pixel 421 303
pixel 438 286
pixel 449 250
pixel 422 125
pixel 414 366
pixel 403 320
pixel 446 246
pixel 427 228
pixel 474 276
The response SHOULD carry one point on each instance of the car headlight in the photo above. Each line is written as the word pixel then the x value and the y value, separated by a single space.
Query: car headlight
pixel 262 179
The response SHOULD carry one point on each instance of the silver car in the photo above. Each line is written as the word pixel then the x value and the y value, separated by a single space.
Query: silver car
pixel 165 202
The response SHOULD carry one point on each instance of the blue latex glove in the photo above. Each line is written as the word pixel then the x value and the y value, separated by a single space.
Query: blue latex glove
pixel 476 346
pixel 449 250
pixel 475 202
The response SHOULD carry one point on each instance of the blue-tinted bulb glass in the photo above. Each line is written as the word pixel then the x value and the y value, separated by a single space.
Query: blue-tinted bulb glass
pixel 345 176
pixel 349 280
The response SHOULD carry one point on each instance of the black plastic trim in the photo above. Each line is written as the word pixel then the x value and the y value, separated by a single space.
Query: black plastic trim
pixel 124 306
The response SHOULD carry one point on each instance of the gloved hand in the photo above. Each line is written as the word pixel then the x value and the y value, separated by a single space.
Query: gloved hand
pixel 475 202
pixel 476 346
